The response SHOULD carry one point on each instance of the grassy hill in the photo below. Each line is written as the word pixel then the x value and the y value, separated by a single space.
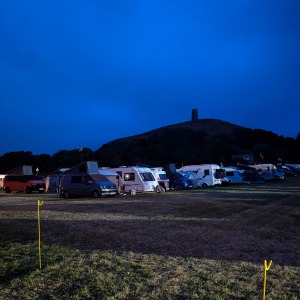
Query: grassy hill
pixel 194 142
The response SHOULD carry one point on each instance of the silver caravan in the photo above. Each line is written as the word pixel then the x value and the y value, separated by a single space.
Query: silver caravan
pixel 211 174
pixel 138 179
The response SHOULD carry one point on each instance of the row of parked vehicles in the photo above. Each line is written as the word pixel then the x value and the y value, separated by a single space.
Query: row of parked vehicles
pixel 87 179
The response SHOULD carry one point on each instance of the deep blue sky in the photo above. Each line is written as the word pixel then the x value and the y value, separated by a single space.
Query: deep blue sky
pixel 82 73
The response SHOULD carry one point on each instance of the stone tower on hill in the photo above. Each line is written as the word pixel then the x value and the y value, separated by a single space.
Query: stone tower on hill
pixel 194 114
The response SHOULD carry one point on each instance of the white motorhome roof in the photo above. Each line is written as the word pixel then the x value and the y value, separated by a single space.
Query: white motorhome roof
pixel 197 167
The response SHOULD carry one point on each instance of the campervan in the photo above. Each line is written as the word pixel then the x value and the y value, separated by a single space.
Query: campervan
pixel 85 180
pixel 138 179
pixel 212 174
pixel 21 179
pixel 79 184
pixel 161 176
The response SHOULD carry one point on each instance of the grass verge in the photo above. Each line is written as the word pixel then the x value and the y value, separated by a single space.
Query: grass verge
pixel 74 274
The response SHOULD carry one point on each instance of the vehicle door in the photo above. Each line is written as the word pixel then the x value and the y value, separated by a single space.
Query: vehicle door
pixel 87 185
pixel 132 182
pixel 77 185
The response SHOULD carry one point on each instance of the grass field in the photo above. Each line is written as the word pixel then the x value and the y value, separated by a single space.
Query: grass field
pixel 198 244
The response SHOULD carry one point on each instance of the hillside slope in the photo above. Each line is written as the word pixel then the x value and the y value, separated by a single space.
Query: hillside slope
pixel 194 142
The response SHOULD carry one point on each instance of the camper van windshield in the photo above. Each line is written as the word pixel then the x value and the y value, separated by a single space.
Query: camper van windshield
pixel 147 176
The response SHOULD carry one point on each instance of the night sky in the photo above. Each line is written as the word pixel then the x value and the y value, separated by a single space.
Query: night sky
pixel 82 73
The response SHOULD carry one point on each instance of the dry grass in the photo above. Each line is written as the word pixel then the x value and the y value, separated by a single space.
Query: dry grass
pixel 200 244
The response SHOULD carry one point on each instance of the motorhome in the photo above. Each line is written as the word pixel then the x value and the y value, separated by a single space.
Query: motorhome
pixel 161 176
pixel 138 179
pixel 212 174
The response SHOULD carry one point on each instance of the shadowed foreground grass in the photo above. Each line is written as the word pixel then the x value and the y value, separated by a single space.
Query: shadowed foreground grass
pixel 199 244
pixel 74 274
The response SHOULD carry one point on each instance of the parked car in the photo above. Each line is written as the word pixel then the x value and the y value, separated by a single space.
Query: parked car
pixel 178 181
pixel 294 168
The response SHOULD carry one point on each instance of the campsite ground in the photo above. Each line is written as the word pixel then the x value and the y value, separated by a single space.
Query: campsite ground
pixel 198 244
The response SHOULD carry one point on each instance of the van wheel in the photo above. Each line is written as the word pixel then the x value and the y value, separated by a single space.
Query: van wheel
pixel 66 194
pixel 204 185
pixel 95 194
pixel 28 190
pixel 177 187
pixel 7 189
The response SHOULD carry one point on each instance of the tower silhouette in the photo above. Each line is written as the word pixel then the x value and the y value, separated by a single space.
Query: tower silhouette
pixel 194 114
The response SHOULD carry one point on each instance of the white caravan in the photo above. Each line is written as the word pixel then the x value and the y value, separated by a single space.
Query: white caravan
pixel 233 176
pixel 161 176
pixel 268 172
pixel 211 174
pixel 139 179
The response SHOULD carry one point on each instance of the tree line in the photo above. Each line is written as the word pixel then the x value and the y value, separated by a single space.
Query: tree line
pixel 167 145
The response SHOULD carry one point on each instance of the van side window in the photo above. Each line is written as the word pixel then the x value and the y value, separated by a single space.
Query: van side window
pixel 87 179
pixel 76 179
pixel 206 172
pixel 12 178
pixel 129 177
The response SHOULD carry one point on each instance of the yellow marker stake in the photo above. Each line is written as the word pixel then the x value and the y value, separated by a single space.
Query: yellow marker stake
pixel 40 203
pixel 266 268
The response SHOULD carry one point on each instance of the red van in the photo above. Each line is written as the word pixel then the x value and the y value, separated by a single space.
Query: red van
pixel 21 183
